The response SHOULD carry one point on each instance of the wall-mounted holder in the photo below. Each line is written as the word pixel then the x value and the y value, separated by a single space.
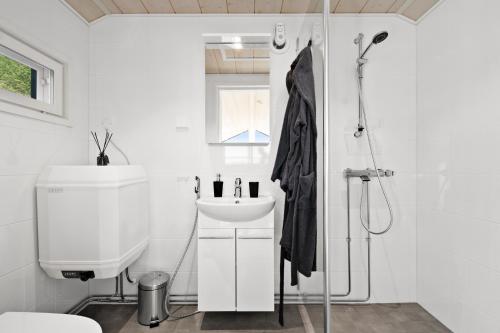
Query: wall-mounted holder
pixel 279 38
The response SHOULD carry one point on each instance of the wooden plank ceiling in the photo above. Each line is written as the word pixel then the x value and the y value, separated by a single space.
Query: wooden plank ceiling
pixel 94 9
pixel 256 61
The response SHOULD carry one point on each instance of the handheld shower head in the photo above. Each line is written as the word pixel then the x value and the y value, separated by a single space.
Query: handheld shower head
pixel 377 39
pixel 380 37
pixel 361 61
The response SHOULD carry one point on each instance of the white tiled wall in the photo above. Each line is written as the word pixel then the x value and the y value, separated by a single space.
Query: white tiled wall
pixel 146 77
pixel 26 146
pixel 389 86
pixel 457 163
pixel 135 90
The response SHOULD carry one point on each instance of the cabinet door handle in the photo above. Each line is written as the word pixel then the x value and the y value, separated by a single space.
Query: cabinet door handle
pixel 250 237
pixel 215 237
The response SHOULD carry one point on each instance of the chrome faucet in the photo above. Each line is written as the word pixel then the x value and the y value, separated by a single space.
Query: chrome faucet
pixel 237 188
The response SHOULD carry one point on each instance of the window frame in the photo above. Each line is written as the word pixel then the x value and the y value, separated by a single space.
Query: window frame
pixel 240 87
pixel 51 68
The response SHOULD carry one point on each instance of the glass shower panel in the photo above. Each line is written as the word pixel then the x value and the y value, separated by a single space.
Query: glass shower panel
pixel 246 96
pixel 300 31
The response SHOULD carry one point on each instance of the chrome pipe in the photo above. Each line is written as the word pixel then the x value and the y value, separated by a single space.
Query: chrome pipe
pixel 368 250
pixel 117 283
pixel 368 239
pixel 326 168
pixel 348 240
pixel 102 299
pixel 368 254
pixel 121 286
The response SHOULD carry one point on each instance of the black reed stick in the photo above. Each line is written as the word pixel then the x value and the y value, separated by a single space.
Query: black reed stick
pixel 96 139
pixel 106 143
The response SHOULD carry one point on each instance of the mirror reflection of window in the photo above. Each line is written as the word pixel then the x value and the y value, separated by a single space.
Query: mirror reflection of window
pixel 244 115
pixel 237 105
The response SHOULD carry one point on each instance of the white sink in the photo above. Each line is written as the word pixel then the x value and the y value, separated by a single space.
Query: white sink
pixel 236 209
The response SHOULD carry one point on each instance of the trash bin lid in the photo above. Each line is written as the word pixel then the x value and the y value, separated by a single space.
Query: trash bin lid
pixel 154 281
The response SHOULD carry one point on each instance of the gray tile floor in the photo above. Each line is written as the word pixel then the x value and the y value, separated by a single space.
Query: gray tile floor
pixel 369 318
pixel 378 318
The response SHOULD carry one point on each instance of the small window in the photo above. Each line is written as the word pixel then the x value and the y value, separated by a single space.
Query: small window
pixel 30 81
pixel 244 114
pixel 17 77
pixel 23 77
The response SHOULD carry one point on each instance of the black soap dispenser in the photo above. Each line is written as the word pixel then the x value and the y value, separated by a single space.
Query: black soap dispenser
pixel 218 185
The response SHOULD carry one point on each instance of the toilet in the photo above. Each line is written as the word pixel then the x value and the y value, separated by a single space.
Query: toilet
pixel 29 322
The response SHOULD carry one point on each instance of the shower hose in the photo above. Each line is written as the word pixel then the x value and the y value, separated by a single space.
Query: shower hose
pixel 374 161
pixel 171 315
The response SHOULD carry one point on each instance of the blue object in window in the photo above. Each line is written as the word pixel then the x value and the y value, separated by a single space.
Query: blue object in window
pixel 261 137
pixel 244 137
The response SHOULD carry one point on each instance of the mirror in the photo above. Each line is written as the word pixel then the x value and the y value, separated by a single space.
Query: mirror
pixel 237 94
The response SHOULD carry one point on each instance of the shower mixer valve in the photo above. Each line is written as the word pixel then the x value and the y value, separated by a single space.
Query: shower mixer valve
pixel 368 173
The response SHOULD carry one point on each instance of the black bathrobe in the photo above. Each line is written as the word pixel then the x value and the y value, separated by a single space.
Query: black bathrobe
pixel 295 167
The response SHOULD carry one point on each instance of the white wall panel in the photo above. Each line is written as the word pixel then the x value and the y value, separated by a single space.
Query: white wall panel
pixel 27 145
pixel 457 164
pixel 389 87
pixel 164 82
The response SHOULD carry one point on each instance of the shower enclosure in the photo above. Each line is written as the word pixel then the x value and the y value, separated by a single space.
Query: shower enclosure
pixel 351 217
pixel 362 222
pixel 390 159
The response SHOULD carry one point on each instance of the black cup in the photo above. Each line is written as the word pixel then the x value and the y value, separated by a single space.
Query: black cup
pixel 254 189
pixel 218 186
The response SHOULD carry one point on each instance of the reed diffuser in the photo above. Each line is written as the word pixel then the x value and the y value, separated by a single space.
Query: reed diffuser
pixel 102 158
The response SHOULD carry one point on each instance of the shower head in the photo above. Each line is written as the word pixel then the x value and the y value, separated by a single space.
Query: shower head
pixel 378 38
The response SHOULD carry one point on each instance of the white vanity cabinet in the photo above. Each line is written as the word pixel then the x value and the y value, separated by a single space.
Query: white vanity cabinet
pixel 254 269
pixel 236 264
pixel 216 270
